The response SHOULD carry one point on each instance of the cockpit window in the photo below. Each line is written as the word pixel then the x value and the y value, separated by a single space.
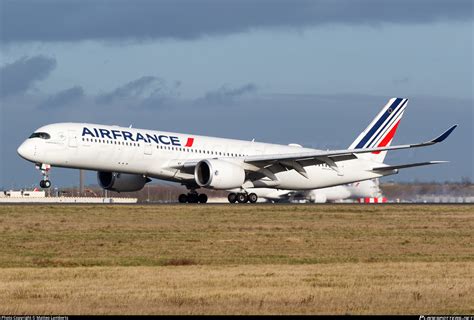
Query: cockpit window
pixel 41 135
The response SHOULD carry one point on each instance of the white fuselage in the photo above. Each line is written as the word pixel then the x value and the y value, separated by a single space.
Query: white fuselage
pixel 162 155
pixel 357 190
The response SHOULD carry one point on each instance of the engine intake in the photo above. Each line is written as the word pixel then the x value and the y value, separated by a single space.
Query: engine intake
pixel 219 174
pixel 121 182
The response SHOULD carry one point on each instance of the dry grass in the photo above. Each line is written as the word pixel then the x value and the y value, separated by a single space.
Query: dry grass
pixel 355 288
pixel 236 259
pixel 71 236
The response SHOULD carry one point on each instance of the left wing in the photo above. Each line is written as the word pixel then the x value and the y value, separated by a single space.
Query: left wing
pixel 260 166
pixel 268 165
pixel 345 154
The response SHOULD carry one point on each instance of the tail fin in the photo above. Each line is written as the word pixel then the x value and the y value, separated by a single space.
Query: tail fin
pixel 381 130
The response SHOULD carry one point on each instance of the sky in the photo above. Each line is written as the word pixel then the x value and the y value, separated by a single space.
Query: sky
pixel 308 72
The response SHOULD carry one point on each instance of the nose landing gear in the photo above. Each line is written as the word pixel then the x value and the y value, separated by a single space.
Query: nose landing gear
pixel 45 184
pixel 44 168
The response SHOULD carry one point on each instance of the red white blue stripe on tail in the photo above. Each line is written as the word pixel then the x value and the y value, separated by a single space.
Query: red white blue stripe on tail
pixel 380 132
pixel 384 125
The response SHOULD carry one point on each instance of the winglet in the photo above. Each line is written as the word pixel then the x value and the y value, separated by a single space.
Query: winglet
pixel 444 135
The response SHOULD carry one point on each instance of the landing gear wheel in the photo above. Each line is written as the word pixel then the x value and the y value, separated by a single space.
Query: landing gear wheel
pixel 45 184
pixel 193 198
pixel 242 198
pixel 44 168
pixel 183 198
pixel 253 198
pixel 202 198
pixel 232 197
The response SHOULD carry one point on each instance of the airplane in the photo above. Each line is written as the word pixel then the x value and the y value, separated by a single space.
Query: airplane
pixel 127 158
pixel 356 190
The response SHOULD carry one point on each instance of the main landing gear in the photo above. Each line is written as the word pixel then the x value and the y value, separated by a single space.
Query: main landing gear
pixel 44 168
pixel 192 197
pixel 242 197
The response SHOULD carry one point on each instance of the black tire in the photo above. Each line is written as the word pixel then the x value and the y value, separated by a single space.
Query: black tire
pixel 232 197
pixel 202 198
pixel 242 198
pixel 253 198
pixel 193 198
pixel 47 184
pixel 183 198
pixel 42 184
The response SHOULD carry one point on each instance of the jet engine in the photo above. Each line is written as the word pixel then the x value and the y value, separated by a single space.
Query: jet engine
pixel 317 197
pixel 219 174
pixel 121 182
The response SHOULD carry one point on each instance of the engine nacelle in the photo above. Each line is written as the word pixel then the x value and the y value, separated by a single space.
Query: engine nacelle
pixel 219 174
pixel 121 182
pixel 317 197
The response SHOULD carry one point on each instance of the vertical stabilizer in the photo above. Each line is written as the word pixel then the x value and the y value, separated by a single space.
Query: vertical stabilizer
pixel 380 132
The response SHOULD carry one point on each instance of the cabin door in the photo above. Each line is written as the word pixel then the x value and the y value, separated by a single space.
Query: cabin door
pixel 148 149
pixel 72 137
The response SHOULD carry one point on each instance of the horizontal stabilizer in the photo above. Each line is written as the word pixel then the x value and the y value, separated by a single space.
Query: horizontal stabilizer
pixel 409 165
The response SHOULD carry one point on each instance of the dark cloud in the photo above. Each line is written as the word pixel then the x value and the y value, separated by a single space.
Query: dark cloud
pixel 63 98
pixel 76 20
pixel 401 81
pixel 226 95
pixel 147 91
pixel 132 89
pixel 19 76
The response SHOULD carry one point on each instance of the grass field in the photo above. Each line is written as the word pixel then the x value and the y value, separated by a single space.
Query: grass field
pixel 223 259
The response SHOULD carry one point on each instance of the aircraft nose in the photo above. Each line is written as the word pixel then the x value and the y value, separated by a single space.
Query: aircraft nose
pixel 25 150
